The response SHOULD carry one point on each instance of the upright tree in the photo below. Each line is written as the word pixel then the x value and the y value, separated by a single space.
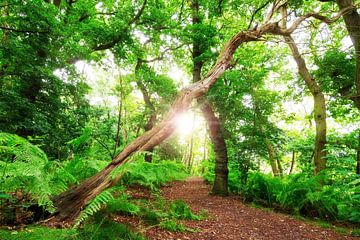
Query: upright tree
pixel 199 46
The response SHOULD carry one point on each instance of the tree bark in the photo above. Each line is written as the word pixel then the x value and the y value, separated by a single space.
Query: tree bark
pixel 281 172
pixel 352 22
pixel 272 159
pixel 292 162
pixel 358 156
pixel 214 125
pixel 118 125
pixel 319 106
pixel 318 97
pixel 221 158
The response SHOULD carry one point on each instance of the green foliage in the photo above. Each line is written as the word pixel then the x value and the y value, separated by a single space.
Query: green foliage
pixel 106 229
pixel 122 205
pixel 173 226
pixel 37 232
pixel 180 210
pixel 98 230
pixel 26 169
pixel 94 206
pixel 306 195
pixel 356 232
pixel 153 175
pixel 262 189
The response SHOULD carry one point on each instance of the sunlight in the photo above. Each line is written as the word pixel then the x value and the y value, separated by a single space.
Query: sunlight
pixel 185 124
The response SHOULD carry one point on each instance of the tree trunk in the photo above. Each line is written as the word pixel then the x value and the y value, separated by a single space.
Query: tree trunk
pixel 70 203
pixel 273 162
pixel 149 125
pixel 221 158
pixel 281 172
pixel 292 162
pixel 352 22
pixel 358 156
pixel 214 125
pixel 318 97
pixel 319 107
pixel 149 105
pixel 118 125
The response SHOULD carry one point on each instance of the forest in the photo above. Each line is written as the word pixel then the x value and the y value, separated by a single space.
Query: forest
pixel 179 119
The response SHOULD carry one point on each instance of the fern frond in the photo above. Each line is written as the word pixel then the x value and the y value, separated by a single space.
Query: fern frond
pixel 94 206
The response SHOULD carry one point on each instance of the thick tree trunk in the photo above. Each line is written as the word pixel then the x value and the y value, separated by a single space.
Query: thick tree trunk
pixel 214 125
pixel 352 22
pixel 221 158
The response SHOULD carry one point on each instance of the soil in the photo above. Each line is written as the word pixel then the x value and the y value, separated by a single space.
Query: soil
pixel 229 218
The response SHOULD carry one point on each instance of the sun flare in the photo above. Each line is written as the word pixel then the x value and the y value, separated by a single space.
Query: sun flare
pixel 185 124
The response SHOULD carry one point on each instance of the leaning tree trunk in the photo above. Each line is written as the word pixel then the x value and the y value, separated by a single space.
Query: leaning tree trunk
pixel 214 125
pixel 70 203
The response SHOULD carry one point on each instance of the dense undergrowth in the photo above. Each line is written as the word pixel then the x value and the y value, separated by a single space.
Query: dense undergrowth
pixel 29 180
pixel 333 195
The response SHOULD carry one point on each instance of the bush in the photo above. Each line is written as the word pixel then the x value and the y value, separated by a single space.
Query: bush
pixel 28 179
pixel 262 189
pixel 153 175
pixel 308 196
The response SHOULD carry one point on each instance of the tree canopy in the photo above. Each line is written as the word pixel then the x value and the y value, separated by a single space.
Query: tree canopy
pixel 90 89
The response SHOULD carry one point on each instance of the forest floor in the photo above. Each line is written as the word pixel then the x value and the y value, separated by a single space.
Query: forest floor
pixel 229 218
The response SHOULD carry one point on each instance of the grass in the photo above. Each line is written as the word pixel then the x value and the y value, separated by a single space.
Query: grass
pixel 106 230
pixel 37 232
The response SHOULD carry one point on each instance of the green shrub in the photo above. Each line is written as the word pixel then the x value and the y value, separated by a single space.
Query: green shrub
pixel 108 230
pixel 173 226
pixel 295 191
pixel 153 175
pixel 262 189
pixel 36 233
pixel 180 210
pixel 28 178
pixel 313 196
pixel 122 205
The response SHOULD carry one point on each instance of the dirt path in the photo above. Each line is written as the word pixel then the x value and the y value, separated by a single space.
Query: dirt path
pixel 230 219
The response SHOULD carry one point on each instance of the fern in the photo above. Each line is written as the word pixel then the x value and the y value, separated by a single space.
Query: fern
pixel 94 206
pixel 152 175
pixel 27 169
pixel 24 168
